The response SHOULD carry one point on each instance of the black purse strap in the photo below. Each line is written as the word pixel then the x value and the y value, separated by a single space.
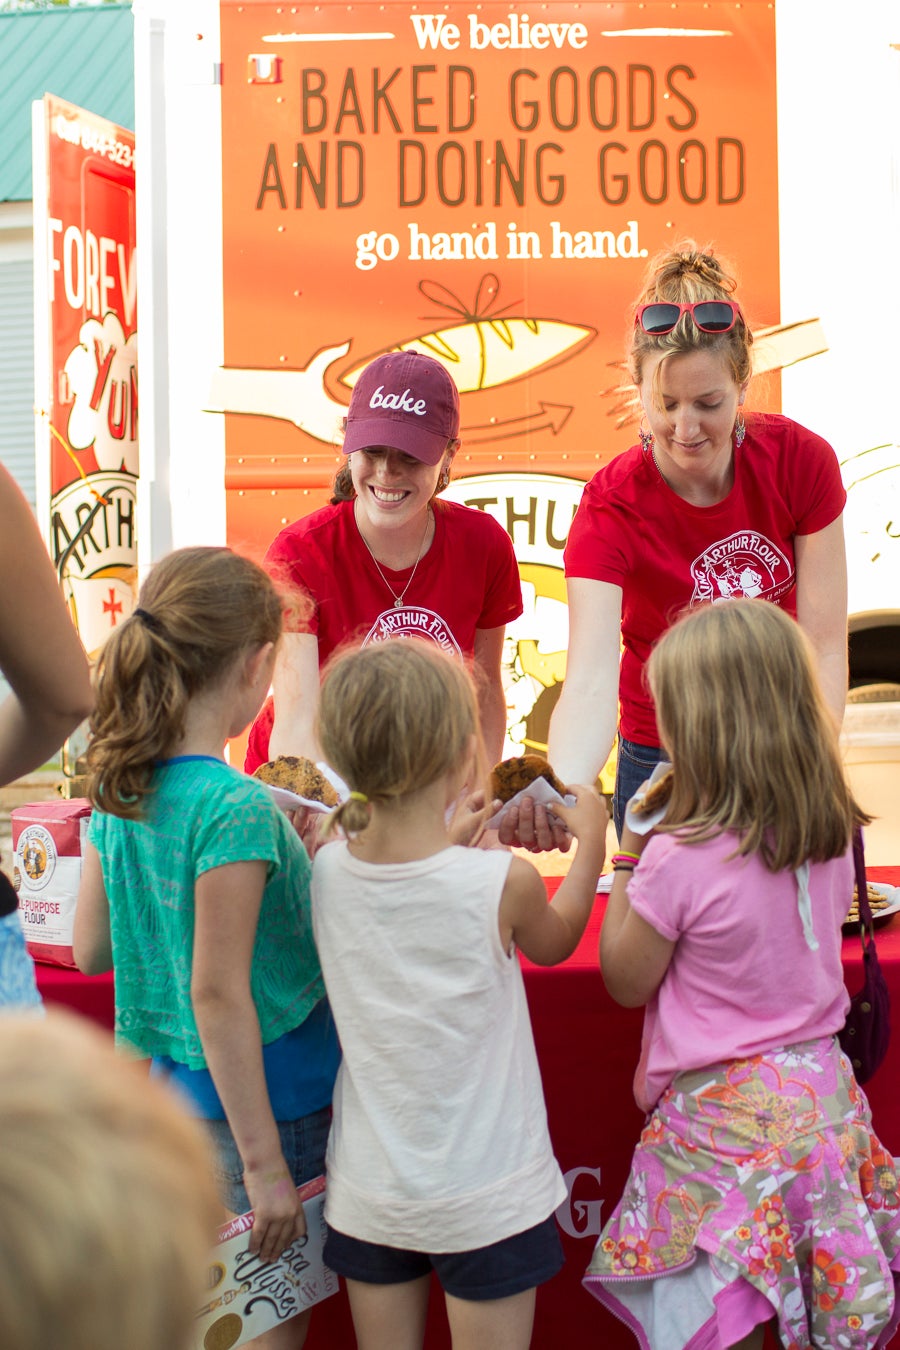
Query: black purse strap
pixel 865 910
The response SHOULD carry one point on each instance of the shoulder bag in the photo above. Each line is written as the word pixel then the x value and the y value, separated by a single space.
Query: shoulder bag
pixel 865 1035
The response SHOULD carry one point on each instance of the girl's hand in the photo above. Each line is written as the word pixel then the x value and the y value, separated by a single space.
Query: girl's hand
pixel 587 820
pixel 466 825
pixel 308 825
pixel 631 841
pixel 547 934
pixel 278 1218
pixel 529 824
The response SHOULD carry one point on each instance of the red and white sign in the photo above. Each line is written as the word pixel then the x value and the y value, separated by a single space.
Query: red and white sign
pixel 86 359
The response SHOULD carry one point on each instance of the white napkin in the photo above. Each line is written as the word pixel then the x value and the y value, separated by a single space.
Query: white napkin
pixel 540 791
pixel 644 824
pixel 292 801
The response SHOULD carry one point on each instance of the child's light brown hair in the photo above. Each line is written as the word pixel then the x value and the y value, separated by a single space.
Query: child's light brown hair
pixel 107 1195
pixel 198 610
pixel 754 747
pixel 392 719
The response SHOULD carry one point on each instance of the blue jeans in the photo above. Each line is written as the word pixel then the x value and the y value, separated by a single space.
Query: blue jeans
pixel 634 764
pixel 302 1143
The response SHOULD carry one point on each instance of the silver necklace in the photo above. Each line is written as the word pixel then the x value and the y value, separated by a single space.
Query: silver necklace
pixel 398 599
pixel 656 464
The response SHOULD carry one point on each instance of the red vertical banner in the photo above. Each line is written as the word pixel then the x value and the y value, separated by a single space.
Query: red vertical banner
pixel 86 360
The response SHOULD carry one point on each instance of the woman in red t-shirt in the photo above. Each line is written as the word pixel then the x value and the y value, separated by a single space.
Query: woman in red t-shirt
pixel 707 507
pixel 388 559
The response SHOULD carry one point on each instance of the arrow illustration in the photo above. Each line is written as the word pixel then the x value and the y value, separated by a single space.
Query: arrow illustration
pixel 552 415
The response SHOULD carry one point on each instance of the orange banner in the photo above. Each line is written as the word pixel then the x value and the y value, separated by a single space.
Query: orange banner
pixel 485 185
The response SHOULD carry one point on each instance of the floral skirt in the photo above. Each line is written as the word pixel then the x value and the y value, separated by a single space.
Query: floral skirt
pixel 757 1189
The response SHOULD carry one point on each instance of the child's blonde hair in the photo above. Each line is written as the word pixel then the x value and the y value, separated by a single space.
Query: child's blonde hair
pixel 394 718
pixel 106 1191
pixel 198 610
pixel 754 748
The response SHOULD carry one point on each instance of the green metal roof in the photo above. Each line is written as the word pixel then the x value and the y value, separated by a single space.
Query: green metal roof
pixel 84 55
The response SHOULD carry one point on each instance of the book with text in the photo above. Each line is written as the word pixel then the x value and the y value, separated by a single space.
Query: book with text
pixel 248 1296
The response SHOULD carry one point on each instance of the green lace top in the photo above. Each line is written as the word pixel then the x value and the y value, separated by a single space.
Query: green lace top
pixel 201 815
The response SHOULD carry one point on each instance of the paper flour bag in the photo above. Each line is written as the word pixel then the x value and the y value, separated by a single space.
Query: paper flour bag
pixel 47 845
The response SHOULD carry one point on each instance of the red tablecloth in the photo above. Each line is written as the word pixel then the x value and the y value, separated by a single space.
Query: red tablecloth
pixel 588 1049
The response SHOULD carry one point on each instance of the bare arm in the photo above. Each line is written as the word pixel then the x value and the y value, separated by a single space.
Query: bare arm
pixel 491 695
pixel 549 933
pixel 633 956
pixel 822 607
pixel 583 725
pixel 40 653
pixel 227 904
pixel 296 688
pixel 91 942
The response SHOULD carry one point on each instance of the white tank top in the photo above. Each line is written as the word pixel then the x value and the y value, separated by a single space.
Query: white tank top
pixel 439 1141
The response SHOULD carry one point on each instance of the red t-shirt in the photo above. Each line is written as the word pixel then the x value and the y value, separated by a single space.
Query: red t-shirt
pixel 468 579
pixel 633 531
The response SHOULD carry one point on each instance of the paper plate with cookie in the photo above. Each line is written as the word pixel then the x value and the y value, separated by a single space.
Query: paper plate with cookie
pixel 521 776
pixel 295 781
pixel 884 902
pixel 648 806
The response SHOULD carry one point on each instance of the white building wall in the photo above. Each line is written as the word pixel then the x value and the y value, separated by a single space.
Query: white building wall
pixel 17 345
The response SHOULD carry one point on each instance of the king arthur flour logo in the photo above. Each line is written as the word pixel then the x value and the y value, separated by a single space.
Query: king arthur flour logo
pixel 405 621
pixel 37 856
pixel 93 533
pixel 745 565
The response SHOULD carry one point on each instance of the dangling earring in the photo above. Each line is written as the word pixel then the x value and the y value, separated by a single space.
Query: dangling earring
pixel 645 435
pixel 444 480
pixel 740 429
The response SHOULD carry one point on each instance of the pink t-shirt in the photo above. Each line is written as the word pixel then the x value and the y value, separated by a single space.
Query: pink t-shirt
pixel 468 580
pixel 742 978
pixel 633 531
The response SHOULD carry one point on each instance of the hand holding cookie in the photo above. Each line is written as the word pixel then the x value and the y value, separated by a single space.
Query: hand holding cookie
pixel 299 775
pixel 656 795
pixel 527 821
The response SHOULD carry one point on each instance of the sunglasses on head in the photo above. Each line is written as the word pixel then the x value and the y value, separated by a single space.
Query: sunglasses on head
pixel 710 316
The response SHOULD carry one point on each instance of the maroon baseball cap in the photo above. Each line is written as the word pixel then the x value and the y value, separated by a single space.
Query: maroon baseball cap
pixel 404 400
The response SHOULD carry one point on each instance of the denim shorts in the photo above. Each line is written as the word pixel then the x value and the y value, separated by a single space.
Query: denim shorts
pixel 634 764
pixel 499 1270
pixel 302 1143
